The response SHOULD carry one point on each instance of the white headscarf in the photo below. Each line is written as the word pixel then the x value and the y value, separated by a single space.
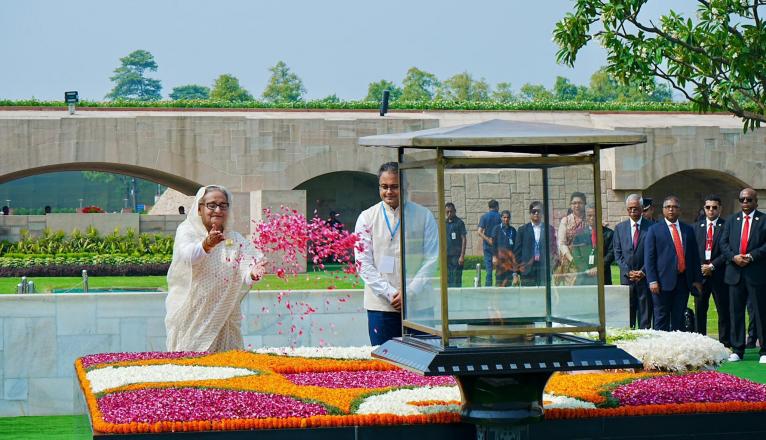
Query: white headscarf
pixel 203 302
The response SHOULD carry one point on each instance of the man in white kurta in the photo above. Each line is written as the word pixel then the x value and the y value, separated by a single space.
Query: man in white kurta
pixel 378 228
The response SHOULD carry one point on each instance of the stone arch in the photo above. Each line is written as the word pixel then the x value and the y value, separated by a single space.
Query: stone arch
pixel 691 186
pixel 176 182
pixel 345 192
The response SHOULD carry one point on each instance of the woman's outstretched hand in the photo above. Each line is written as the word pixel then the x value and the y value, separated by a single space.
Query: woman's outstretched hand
pixel 214 237
pixel 259 270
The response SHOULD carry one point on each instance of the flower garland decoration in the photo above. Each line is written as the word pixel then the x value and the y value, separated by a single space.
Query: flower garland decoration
pixel 672 351
pixel 326 387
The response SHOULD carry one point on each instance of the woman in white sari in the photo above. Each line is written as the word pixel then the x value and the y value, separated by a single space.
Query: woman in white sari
pixel 212 270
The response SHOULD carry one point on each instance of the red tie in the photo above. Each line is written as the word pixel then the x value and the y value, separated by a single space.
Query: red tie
pixel 709 241
pixel 679 249
pixel 593 237
pixel 635 237
pixel 745 236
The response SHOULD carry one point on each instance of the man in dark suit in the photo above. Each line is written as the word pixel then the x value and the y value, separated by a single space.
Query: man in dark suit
pixel 671 263
pixel 629 237
pixel 708 235
pixel 530 249
pixel 584 251
pixel 743 243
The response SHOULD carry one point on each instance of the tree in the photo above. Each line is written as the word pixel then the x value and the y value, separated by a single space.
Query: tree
pixel 331 98
pixel 462 87
pixel 564 90
pixel 130 82
pixel 375 91
pixel 283 86
pixel 604 87
pixel 419 85
pixel 190 91
pixel 717 60
pixel 227 88
pixel 535 92
pixel 503 92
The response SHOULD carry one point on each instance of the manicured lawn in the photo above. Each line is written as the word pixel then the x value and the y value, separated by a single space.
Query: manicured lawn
pixel 44 428
pixel 311 280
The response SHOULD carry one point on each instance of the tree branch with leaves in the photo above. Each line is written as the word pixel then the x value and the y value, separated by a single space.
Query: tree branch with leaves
pixel 715 59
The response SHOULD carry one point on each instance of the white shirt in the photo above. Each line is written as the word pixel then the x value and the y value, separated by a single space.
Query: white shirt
pixel 379 247
pixel 538 230
pixel 678 228
pixel 633 226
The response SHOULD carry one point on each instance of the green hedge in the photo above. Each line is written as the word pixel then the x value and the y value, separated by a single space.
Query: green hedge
pixel 437 104
pixel 82 260
pixel 89 242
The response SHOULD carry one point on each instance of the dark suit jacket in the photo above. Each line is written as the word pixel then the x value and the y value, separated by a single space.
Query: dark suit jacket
pixel 626 257
pixel 717 257
pixel 660 262
pixel 525 247
pixel 581 249
pixel 755 272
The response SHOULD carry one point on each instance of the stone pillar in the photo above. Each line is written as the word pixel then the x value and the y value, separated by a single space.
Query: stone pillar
pixel 274 199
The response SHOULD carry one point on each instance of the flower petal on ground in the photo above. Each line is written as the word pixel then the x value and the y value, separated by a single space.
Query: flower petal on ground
pixel 398 401
pixel 112 377
pixel 363 352
pixel 367 379
pixel 108 358
pixel 188 404
pixel 688 388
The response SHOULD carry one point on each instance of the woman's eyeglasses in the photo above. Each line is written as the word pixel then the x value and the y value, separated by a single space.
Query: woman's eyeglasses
pixel 213 206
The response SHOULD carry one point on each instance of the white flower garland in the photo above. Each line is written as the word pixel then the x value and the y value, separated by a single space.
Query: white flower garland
pixel 673 351
pixel 400 402
pixel 113 377
pixel 363 352
pixel 397 401
pixel 553 401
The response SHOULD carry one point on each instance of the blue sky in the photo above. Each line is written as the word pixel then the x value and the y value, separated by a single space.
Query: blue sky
pixel 335 46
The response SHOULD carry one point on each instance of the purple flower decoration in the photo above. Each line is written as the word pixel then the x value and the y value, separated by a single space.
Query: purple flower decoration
pixel 368 379
pixel 705 387
pixel 107 358
pixel 189 404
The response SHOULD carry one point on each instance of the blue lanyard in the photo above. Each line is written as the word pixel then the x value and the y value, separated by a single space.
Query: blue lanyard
pixel 388 224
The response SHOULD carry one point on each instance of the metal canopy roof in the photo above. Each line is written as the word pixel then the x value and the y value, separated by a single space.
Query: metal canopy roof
pixel 508 136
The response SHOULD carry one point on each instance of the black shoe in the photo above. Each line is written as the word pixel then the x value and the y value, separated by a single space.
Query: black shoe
pixel 750 344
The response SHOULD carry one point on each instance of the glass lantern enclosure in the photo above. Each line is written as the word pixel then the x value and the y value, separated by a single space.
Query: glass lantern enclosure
pixel 503 333
pixel 546 276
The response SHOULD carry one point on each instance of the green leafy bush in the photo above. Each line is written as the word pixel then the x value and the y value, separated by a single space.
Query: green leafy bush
pixel 470 261
pixel 58 243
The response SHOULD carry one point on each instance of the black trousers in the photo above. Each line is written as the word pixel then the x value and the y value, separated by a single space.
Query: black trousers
pixel 669 306
pixel 641 307
pixel 454 271
pixel 738 294
pixel 534 275
pixel 751 336
pixel 720 293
